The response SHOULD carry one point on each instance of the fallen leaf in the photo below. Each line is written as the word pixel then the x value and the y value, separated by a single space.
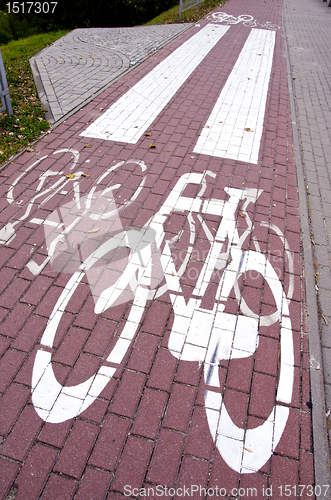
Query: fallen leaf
pixel 151 145
pixel 87 146
pixel 326 321
pixel 85 175
pixel 70 176
pixel 94 230
pixel 148 134
pixel 247 449
pixel 242 214
pixel 248 129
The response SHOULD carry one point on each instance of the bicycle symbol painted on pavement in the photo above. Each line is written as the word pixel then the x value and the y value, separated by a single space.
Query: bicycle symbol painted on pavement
pixel 86 237
pixel 246 19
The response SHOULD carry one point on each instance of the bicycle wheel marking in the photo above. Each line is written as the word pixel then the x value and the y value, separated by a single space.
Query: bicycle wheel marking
pixel 128 118
pixel 234 127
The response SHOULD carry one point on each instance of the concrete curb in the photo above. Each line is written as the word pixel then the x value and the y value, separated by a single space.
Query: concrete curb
pixel 320 439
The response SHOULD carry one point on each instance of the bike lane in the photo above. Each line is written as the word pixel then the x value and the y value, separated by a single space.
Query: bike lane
pixel 198 385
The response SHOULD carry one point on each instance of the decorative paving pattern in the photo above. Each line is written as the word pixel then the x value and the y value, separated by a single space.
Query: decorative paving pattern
pixel 135 43
pixel 84 61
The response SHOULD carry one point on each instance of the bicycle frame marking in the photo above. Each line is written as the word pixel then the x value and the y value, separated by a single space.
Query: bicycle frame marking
pixel 224 336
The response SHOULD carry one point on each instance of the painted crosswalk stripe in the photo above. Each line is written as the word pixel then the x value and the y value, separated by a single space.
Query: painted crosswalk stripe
pixel 128 118
pixel 234 127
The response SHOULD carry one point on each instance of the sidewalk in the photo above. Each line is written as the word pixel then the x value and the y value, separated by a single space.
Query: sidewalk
pixel 156 339
pixel 307 26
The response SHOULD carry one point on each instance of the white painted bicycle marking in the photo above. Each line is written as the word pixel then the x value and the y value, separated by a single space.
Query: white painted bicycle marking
pixel 128 118
pixel 8 233
pixel 234 128
pixel 247 20
pixel 197 334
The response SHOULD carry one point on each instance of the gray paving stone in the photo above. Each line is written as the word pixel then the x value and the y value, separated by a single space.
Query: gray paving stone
pixel 317 220
pixel 325 300
pixel 324 277
pixel 315 202
pixel 327 364
pixel 328 399
pixel 322 255
pixel 326 332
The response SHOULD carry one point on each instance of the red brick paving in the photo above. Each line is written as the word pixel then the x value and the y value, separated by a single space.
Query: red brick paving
pixel 148 427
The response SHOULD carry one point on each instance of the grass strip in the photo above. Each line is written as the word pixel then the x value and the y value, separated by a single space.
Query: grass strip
pixel 27 123
pixel 188 16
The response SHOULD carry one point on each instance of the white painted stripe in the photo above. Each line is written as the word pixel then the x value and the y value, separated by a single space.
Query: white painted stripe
pixel 241 104
pixel 129 117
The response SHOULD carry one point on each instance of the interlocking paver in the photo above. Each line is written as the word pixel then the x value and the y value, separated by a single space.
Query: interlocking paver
pixel 23 435
pixel 110 442
pixel 178 413
pixel 149 414
pixel 8 471
pixel 11 406
pixel 132 469
pixel 59 487
pixel 35 471
pixel 166 457
pixel 128 395
pixel 94 485
pixel 75 452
